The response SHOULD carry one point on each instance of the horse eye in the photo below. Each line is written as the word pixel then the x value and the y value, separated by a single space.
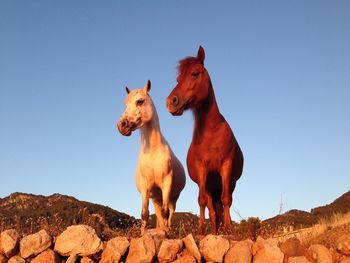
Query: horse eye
pixel 140 102
pixel 195 74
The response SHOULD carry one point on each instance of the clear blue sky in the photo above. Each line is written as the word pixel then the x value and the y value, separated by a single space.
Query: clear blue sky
pixel 280 70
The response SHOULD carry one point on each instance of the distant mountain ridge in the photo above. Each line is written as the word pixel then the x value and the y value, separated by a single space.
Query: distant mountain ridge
pixel 28 213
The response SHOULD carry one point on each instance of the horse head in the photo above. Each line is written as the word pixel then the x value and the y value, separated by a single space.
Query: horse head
pixel 139 110
pixel 193 85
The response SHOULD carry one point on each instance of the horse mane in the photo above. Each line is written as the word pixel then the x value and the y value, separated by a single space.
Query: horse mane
pixel 204 107
pixel 186 63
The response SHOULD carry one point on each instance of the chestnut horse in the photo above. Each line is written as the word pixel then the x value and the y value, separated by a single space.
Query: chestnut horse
pixel 214 159
pixel 159 174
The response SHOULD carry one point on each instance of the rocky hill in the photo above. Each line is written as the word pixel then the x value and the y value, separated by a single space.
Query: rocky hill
pixel 29 213
pixel 297 219
pixel 339 205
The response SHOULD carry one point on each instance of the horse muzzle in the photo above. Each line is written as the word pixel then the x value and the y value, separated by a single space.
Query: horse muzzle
pixel 174 105
pixel 124 127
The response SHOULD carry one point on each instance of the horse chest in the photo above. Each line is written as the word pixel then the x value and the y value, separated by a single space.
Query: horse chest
pixel 154 165
pixel 210 152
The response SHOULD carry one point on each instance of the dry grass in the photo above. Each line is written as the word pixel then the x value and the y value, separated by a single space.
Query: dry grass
pixel 337 219
pixel 332 227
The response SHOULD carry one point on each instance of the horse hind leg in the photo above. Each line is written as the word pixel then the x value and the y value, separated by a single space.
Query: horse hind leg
pixel 227 202
pixel 219 212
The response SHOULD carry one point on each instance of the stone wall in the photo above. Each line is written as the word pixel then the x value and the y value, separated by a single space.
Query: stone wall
pixel 79 243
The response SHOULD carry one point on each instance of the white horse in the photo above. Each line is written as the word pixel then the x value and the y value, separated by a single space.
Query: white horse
pixel 159 174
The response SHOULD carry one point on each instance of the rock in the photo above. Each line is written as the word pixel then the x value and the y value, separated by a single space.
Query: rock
pixel 321 254
pixel 292 247
pixel 168 250
pixel 344 245
pixel 9 241
pixel 78 240
pixel 191 246
pixel 3 259
pixel 16 259
pixel 241 252
pixel 141 250
pixel 48 256
pixel 87 260
pixel 115 250
pixel 336 257
pixel 272 241
pixel 158 235
pixel 266 252
pixel 72 258
pixel 345 260
pixel 185 259
pixel 34 244
pixel 300 259
pixel 213 248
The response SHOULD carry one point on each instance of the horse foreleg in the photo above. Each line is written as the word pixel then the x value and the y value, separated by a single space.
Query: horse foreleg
pixel 172 207
pixel 145 212
pixel 212 214
pixel 227 189
pixel 166 196
pixel 202 202
pixel 158 210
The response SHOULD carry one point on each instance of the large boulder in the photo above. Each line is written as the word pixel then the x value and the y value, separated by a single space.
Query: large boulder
pixel 266 252
pixel 9 241
pixel 213 248
pixel 48 256
pixel 34 244
pixel 158 235
pixel 87 260
pixel 321 254
pixel 78 240
pixel 191 246
pixel 300 259
pixel 292 247
pixel 141 250
pixel 115 250
pixel 241 252
pixel 16 259
pixel 169 249
pixel 185 259
pixel 344 245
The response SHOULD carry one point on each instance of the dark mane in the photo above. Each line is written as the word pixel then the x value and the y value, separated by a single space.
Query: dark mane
pixel 185 63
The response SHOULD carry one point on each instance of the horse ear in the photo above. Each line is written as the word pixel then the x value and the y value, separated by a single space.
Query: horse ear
pixel 201 54
pixel 127 90
pixel 147 87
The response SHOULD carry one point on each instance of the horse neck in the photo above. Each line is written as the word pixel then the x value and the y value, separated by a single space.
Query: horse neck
pixel 151 135
pixel 207 116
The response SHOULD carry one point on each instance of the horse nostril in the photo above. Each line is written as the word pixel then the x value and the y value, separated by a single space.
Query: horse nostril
pixel 175 101
pixel 124 123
